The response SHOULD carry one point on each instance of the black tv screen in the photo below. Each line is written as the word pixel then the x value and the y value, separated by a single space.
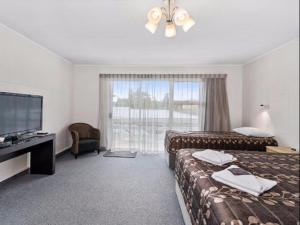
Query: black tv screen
pixel 20 113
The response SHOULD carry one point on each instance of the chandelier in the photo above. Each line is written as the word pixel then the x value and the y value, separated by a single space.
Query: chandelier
pixel 174 16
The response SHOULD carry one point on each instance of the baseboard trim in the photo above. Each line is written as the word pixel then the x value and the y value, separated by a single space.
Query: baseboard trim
pixel 63 152
pixel 14 177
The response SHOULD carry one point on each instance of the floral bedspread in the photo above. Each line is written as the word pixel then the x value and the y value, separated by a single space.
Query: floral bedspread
pixel 212 203
pixel 174 141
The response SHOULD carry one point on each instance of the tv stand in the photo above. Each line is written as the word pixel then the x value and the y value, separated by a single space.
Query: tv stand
pixel 42 149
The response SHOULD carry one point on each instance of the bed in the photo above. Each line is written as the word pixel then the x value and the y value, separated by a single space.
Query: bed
pixel 205 201
pixel 175 141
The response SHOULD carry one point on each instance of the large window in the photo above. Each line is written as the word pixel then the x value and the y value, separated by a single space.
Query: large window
pixel 142 111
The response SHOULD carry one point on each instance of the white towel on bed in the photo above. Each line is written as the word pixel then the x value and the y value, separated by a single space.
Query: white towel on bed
pixel 249 183
pixel 214 157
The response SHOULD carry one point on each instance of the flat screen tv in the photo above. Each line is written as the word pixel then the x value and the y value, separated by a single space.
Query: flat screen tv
pixel 20 113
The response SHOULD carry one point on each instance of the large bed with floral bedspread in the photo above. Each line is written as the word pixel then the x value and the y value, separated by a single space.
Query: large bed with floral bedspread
pixel 208 202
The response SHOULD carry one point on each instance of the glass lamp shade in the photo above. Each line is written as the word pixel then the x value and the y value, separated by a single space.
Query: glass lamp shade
pixel 188 23
pixel 170 30
pixel 180 16
pixel 151 27
pixel 154 15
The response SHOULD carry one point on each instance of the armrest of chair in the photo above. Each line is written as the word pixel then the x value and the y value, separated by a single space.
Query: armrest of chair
pixel 75 137
pixel 95 133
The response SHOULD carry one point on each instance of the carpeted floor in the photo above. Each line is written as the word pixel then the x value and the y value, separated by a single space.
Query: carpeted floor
pixel 94 190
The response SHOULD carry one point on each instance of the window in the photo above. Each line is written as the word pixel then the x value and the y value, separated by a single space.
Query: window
pixel 142 111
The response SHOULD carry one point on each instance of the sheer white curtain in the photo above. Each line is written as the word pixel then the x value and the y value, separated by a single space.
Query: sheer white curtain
pixel 136 110
pixel 105 109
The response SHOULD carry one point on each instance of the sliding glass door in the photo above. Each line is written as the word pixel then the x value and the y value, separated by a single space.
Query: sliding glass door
pixel 142 110
pixel 187 106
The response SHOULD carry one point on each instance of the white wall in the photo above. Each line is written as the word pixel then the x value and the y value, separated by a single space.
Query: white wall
pixel 86 87
pixel 26 67
pixel 71 92
pixel 274 79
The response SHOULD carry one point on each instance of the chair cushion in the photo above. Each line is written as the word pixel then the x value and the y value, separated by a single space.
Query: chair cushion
pixel 86 145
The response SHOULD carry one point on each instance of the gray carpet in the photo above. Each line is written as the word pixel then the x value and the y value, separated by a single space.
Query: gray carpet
pixel 94 190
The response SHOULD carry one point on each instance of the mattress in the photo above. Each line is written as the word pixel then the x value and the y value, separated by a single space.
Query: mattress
pixel 210 202
pixel 174 141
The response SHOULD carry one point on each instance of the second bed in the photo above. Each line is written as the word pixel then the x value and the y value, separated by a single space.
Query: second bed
pixel 175 140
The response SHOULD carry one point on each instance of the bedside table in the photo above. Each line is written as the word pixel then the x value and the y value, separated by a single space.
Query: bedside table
pixel 283 150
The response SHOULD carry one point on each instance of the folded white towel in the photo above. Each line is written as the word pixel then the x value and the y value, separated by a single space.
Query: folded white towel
pixel 214 157
pixel 249 183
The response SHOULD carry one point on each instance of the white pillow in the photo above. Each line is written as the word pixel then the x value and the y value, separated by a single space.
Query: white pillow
pixel 253 132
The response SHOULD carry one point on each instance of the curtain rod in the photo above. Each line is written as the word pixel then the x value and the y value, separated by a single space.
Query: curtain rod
pixel 171 75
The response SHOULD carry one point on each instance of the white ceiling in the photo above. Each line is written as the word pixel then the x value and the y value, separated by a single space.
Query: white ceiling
pixel 112 32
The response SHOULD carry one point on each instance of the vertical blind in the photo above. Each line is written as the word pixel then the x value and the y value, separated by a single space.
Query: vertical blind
pixel 136 110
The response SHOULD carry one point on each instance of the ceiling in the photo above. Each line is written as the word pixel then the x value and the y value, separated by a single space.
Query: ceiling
pixel 111 32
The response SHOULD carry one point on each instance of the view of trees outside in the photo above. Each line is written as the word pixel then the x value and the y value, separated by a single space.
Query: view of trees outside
pixel 143 111
pixel 139 98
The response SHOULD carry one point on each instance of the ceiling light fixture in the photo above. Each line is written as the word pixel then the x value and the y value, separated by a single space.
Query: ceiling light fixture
pixel 174 16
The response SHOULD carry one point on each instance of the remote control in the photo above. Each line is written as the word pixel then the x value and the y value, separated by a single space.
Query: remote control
pixel 42 133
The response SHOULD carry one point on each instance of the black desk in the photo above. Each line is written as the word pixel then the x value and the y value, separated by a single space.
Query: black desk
pixel 42 157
